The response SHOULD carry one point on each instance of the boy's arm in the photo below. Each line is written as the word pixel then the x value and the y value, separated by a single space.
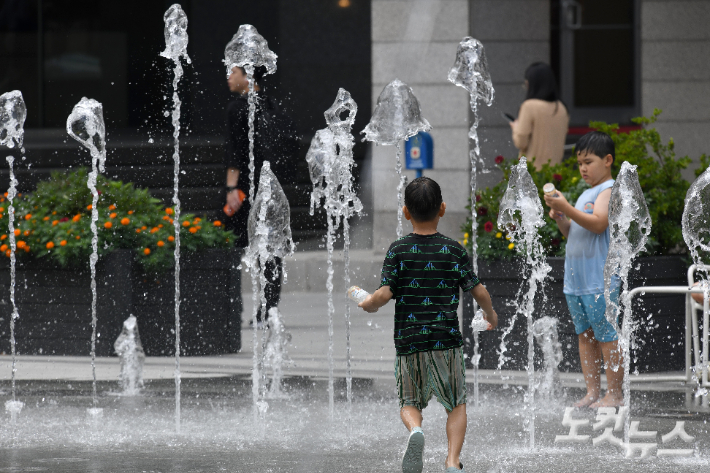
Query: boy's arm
pixel 596 222
pixel 377 299
pixel 480 294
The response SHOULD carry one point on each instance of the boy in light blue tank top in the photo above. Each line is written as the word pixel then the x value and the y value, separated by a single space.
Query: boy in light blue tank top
pixel 586 227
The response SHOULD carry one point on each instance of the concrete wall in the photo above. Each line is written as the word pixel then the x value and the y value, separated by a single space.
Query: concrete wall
pixel 415 41
pixel 675 71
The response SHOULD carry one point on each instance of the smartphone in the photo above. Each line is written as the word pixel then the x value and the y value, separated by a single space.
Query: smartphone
pixel 508 116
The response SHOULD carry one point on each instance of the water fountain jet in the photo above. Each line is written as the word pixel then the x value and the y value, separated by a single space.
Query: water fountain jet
pixel 470 71
pixel 330 162
pixel 13 113
pixel 396 118
pixel 86 125
pixel 176 50
pixel 521 215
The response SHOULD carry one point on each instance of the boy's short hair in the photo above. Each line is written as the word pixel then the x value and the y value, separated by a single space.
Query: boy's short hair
pixel 259 73
pixel 596 142
pixel 423 199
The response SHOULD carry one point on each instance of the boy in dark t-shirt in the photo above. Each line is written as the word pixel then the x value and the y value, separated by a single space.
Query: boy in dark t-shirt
pixel 423 272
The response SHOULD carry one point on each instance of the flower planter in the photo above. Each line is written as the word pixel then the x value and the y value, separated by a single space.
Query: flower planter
pixel 55 305
pixel 660 336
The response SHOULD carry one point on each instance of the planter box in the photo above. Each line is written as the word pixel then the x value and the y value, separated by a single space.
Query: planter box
pixel 660 335
pixel 55 305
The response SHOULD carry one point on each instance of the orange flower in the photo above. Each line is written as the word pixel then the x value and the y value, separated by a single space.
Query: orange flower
pixel 17 232
pixel 78 237
pixel 112 207
pixel 130 212
pixel 193 229
pixel 171 238
pixel 5 194
pixel 160 225
pixel 21 244
pixel 198 219
pixel 54 213
pixel 54 222
pixel 108 225
pixel 165 217
pixel 125 221
pixel 8 253
pixel 26 233
pixel 89 207
pixel 144 227
pixel 161 243
pixel 2 209
pixel 138 230
pixel 169 211
pixel 3 237
pixel 154 229
pixel 146 251
pixel 217 223
pixel 3 248
pixel 46 218
pixel 28 216
pixel 50 245
pixel 76 218
pixel 170 220
pixel 27 249
pixel 63 243
pixel 113 215
pixel 186 223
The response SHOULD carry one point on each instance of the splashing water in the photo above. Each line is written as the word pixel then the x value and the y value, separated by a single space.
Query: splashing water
pixel 276 354
pixel 545 331
pixel 521 215
pixel 86 125
pixel 696 233
pixel 129 349
pixel 330 162
pixel 269 231
pixel 470 71
pixel 629 227
pixel 248 49
pixel 176 49
pixel 13 113
pixel 397 117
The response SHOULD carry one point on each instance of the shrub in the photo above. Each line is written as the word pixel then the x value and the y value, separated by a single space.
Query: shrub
pixel 54 222
pixel 659 172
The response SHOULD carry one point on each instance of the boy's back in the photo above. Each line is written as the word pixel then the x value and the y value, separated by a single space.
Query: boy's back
pixel 424 273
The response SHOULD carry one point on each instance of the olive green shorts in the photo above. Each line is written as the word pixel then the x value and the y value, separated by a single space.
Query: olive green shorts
pixel 436 372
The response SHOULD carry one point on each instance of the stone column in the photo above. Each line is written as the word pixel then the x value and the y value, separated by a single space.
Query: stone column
pixel 675 72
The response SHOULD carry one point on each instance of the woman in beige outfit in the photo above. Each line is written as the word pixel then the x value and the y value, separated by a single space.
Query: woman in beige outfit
pixel 541 127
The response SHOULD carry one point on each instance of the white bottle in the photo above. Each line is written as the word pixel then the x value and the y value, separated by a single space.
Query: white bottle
pixel 356 294
pixel 479 324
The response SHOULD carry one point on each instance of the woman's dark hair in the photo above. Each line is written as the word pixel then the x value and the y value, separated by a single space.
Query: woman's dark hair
pixel 423 199
pixel 259 73
pixel 542 84
pixel 596 142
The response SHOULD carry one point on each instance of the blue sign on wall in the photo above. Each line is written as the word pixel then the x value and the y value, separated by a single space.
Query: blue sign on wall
pixel 419 151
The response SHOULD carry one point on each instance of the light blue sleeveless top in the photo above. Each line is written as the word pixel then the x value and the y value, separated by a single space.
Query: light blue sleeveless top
pixel 586 251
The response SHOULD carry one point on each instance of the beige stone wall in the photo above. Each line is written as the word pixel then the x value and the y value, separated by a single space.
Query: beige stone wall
pixel 415 41
pixel 675 71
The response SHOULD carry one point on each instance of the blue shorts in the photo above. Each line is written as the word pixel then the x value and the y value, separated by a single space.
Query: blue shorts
pixel 589 311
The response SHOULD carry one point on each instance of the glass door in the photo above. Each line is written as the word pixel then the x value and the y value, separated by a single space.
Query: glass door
pixel 594 51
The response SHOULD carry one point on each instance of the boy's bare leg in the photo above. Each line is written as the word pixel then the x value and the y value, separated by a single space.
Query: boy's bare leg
pixel 455 433
pixel 411 416
pixel 614 396
pixel 590 355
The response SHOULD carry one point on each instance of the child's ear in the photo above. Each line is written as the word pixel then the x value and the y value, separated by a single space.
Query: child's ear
pixel 405 210
pixel 608 160
pixel 442 209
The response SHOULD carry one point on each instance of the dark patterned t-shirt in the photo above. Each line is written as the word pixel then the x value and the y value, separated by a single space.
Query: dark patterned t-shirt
pixel 424 273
